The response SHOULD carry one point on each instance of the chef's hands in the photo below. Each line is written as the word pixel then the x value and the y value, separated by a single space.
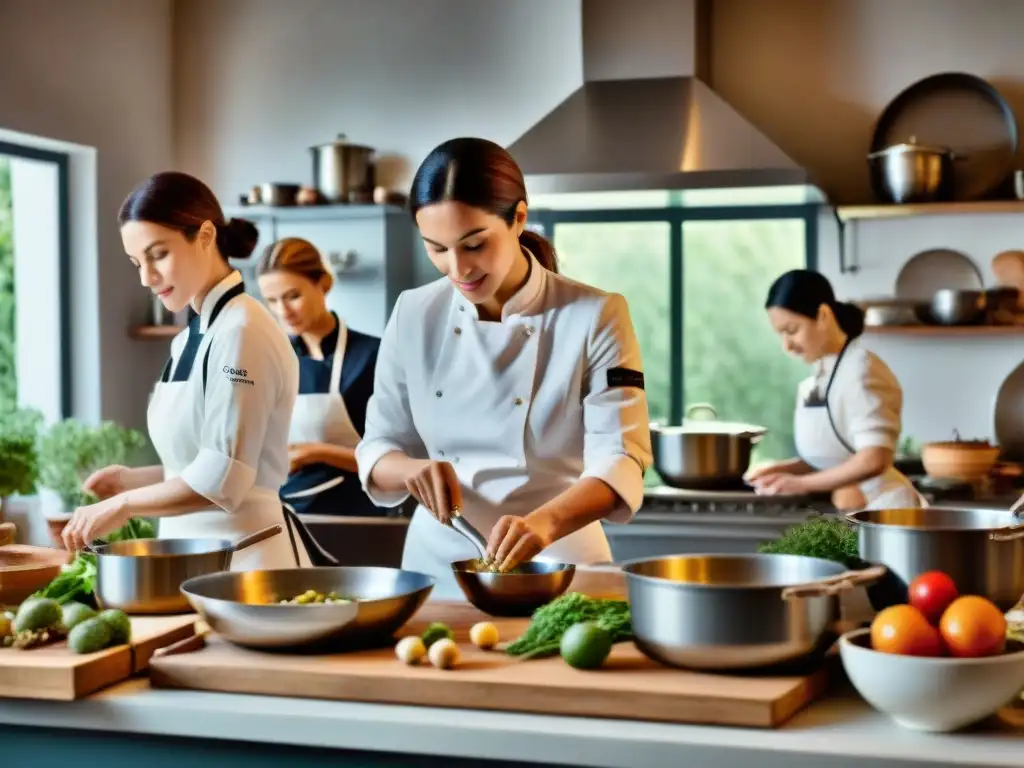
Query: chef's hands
pixel 435 485
pixel 516 540
pixel 758 473
pixel 95 521
pixel 780 484
pixel 107 482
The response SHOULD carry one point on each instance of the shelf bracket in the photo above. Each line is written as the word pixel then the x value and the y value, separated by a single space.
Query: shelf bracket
pixel 844 268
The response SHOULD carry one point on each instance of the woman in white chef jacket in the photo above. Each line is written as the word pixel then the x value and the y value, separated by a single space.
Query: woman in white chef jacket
pixel 503 389
pixel 848 413
pixel 336 367
pixel 219 414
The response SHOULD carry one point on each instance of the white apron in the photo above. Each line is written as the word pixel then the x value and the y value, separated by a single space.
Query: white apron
pixel 175 424
pixel 820 446
pixel 477 420
pixel 322 417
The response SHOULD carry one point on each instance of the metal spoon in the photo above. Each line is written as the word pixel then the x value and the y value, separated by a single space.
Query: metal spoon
pixel 463 526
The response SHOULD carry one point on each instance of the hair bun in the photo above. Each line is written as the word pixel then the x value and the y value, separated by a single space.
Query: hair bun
pixel 237 238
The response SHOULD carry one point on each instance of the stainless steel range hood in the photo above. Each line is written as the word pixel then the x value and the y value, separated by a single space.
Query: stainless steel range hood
pixel 650 133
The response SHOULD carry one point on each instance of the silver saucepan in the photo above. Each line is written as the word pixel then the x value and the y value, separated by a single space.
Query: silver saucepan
pixel 704 453
pixel 144 576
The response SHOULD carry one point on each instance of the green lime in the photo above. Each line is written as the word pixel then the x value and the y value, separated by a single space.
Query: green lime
pixel 436 631
pixel 585 645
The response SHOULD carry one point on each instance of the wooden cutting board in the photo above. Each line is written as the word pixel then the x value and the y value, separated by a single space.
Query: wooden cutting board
pixel 628 686
pixel 54 672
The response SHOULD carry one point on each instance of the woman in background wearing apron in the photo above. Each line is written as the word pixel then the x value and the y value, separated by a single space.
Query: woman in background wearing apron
pixel 219 415
pixel 336 369
pixel 848 413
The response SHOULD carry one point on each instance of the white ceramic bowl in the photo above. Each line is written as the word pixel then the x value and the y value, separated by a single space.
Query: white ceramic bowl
pixel 931 694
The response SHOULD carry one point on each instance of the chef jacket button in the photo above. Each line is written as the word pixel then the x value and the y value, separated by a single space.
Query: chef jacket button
pixel 438 393
pixel 440 453
pixel 518 401
pixel 458 331
pixel 461 308
pixel 528 331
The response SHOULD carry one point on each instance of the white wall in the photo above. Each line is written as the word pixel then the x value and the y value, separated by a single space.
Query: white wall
pixel 97 74
pixel 260 81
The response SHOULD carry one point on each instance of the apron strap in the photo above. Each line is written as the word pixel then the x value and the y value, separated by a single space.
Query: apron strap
pixel 828 408
pixel 195 339
pixel 339 359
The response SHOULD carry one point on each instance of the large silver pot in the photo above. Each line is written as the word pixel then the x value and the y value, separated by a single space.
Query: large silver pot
pixel 980 549
pixel 144 576
pixel 912 173
pixel 704 454
pixel 343 172
pixel 721 612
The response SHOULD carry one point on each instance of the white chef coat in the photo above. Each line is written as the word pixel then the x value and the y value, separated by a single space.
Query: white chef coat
pixel 522 408
pixel 230 444
pixel 865 401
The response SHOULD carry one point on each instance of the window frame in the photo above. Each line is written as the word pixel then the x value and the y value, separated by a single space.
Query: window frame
pixel 61 160
pixel 548 219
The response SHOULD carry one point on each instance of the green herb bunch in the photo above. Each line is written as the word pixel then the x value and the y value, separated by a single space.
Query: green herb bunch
pixel 551 621
pixel 70 451
pixel 826 538
pixel 19 458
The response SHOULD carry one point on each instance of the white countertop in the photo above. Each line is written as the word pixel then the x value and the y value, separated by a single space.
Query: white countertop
pixel 840 730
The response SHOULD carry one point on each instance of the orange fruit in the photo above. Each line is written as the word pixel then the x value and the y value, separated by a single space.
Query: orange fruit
pixel 904 630
pixel 973 626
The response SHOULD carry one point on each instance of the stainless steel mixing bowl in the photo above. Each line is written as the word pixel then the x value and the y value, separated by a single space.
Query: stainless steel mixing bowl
pixel 722 612
pixel 513 594
pixel 242 606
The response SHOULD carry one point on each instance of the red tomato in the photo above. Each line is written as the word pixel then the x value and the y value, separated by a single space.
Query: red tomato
pixel 932 593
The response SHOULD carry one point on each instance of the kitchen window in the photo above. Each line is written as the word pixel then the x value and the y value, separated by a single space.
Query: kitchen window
pixel 695 278
pixel 35 359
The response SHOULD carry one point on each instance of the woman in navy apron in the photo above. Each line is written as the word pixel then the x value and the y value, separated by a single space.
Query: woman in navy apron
pixel 218 416
pixel 336 372
pixel 848 413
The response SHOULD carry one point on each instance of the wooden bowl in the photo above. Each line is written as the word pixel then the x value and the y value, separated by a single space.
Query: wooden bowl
pixel 959 460
pixel 25 569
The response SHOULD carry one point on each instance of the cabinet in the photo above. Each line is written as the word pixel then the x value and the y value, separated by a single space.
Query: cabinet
pixel 369 249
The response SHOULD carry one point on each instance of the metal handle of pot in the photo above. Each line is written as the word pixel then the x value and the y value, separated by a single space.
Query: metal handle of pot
pixel 833 585
pixel 256 538
pixel 1009 533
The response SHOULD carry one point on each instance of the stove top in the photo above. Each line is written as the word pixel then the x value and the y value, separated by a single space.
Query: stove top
pixel 743 495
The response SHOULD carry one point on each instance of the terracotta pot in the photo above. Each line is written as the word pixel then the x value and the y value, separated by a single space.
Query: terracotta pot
pixel 959 459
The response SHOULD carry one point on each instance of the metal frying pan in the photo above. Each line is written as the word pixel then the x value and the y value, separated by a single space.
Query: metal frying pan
pixel 962 112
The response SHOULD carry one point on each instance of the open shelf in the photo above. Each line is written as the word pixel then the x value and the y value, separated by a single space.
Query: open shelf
pixel 859 212
pixel 945 330
pixel 155 331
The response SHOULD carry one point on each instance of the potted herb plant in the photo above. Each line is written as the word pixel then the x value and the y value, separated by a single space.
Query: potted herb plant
pixel 19 461
pixel 69 451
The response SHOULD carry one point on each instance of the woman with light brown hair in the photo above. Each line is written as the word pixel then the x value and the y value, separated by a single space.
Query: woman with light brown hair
pixel 336 372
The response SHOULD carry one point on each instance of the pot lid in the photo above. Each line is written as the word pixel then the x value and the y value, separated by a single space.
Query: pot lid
pixel 342 141
pixel 911 145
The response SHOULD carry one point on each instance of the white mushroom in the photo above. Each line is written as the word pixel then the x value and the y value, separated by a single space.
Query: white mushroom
pixel 410 649
pixel 444 654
